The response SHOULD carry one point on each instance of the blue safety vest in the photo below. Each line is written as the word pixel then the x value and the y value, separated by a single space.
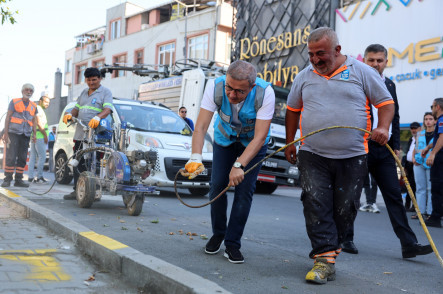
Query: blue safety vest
pixel 419 146
pixel 224 132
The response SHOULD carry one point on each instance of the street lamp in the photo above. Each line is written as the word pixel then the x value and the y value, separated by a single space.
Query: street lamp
pixel 185 46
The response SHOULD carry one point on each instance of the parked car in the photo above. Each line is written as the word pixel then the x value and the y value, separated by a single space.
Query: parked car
pixel 149 125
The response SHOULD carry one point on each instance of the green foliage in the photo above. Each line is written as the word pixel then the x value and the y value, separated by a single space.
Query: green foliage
pixel 7 14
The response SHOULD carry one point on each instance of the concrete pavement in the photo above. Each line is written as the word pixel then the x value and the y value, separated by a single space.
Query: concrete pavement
pixel 40 250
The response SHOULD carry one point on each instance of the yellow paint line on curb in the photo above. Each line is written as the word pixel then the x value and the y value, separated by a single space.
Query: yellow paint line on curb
pixel 8 193
pixel 103 240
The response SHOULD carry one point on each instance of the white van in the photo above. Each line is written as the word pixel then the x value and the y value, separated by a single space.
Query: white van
pixel 149 125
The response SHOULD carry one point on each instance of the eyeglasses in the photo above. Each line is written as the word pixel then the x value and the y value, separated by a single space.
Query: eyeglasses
pixel 432 106
pixel 237 91
pixel 183 111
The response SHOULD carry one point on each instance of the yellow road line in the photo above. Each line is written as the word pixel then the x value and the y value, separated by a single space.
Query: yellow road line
pixel 103 240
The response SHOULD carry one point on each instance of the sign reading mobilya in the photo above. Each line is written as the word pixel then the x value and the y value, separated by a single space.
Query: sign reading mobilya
pixel 255 47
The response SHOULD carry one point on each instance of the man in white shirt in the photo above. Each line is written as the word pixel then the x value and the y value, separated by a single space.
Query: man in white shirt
pixel 245 106
pixel 408 165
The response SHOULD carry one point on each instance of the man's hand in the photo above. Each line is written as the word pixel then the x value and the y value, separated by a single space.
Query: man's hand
pixel 67 118
pixel 5 137
pixel 430 160
pixel 46 139
pixel 94 122
pixel 380 135
pixel 291 154
pixel 193 167
pixel 236 176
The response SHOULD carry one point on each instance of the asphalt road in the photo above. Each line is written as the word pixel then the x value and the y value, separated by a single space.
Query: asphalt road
pixel 275 244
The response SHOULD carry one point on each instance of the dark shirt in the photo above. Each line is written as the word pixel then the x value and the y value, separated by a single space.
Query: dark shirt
pixel 189 122
pixel 429 136
pixel 438 130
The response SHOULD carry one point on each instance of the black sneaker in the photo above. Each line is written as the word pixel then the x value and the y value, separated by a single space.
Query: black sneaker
pixel 31 180
pixel 432 222
pixel 40 180
pixel 213 245
pixel 21 183
pixel 6 183
pixel 70 196
pixel 234 255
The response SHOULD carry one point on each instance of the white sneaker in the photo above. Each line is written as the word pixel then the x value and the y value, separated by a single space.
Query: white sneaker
pixel 366 207
pixel 374 208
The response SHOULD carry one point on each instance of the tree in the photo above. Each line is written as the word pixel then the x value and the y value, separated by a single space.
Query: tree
pixel 7 14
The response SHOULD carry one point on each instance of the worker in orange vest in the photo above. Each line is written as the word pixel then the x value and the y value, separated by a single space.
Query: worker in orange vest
pixel 18 130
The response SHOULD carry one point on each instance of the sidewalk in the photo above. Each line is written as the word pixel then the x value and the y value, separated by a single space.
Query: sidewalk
pixel 40 250
pixel 33 259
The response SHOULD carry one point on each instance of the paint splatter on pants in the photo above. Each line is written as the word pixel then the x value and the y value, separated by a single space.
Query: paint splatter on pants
pixel 331 197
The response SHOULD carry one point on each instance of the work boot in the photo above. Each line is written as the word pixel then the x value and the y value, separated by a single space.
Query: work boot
pixel 6 183
pixel 321 272
pixel 20 183
pixel 70 196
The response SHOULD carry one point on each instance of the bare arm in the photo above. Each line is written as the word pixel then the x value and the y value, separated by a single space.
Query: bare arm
pixel 437 147
pixel 292 122
pixel 385 115
pixel 201 127
pixel 74 112
pixel 7 120
pixel 105 112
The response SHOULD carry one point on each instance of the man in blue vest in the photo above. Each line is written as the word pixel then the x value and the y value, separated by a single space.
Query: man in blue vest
pixel 245 106
pixel 18 130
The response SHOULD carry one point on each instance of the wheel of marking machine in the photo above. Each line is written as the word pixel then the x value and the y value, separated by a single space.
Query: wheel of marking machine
pixel 126 196
pixel 136 207
pixel 85 189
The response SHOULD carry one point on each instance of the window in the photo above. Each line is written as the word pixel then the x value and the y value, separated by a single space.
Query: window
pixel 68 65
pixel 198 47
pixel 166 54
pixel 80 73
pixel 139 56
pixel 98 63
pixel 115 29
pixel 119 60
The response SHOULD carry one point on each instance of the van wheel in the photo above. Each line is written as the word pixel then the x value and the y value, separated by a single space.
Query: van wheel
pixel 85 189
pixel 62 171
pixel 265 188
pixel 198 192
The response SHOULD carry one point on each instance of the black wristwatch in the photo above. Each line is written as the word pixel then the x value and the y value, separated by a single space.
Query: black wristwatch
pixel 238 165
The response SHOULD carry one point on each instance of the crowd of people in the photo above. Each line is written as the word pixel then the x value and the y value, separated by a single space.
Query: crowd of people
pixel 335 89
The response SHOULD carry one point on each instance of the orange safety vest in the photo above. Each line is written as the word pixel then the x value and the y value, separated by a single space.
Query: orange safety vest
pixel 21 118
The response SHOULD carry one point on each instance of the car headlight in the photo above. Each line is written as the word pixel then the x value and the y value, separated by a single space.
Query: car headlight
pixel 293 170
pixel 148 141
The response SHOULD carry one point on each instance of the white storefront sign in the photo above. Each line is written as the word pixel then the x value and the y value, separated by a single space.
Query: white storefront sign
pixel 412 32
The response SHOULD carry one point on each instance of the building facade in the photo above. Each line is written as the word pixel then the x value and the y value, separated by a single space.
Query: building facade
pixel 157 35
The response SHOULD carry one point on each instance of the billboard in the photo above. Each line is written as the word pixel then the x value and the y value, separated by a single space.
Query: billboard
pixel 272 35
pixel 412 33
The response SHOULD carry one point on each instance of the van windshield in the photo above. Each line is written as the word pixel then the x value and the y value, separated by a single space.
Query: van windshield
pixel 151 119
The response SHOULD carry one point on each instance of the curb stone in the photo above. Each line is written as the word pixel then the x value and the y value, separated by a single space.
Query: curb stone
pixel 145 271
